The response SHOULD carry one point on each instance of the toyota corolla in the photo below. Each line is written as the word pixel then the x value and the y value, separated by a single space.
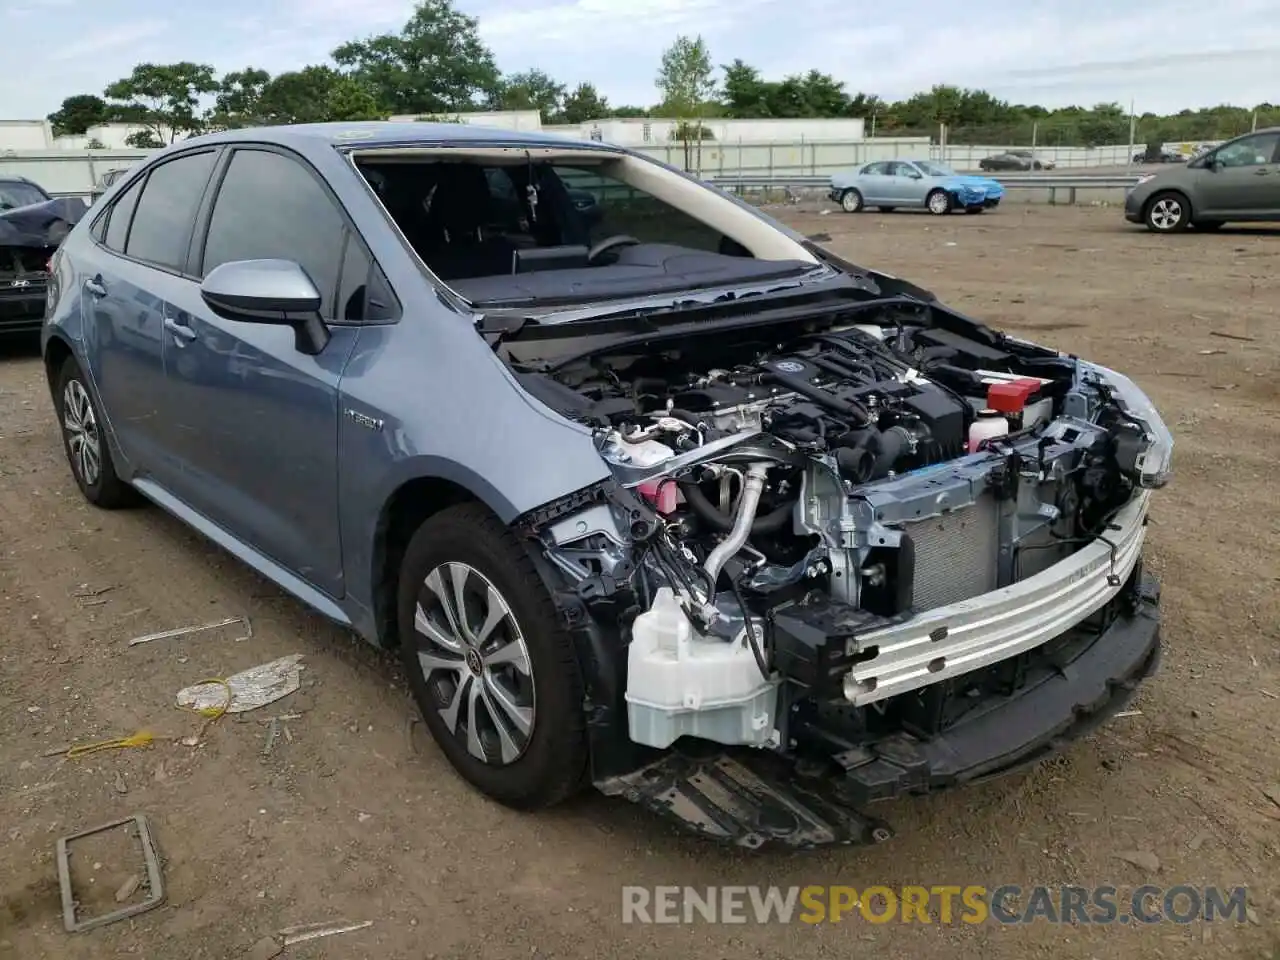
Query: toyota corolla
pixel 668 499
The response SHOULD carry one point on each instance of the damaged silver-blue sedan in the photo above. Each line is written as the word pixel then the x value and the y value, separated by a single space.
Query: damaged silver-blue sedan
pixel 667 499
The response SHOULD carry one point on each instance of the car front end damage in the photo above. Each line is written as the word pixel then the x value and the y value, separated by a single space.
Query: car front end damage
pixel 850 550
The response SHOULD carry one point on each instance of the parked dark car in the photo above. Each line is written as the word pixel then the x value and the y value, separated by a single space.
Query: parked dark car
pixel 680 505
pixel 1155 154
pixel 1238 180
pixel 1015 160
pixel 32 224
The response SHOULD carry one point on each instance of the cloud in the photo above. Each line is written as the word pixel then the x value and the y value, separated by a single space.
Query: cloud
pixel 110 38
pixel 1164 54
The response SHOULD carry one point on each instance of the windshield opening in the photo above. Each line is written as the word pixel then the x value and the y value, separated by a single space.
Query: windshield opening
pixel 513 228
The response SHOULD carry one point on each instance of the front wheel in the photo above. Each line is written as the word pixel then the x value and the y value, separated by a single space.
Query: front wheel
pixel 851 201
pixel 939 202
pixel 1167 213
pixel 490 665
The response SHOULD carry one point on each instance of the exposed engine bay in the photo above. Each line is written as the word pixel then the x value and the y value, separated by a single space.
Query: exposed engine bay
pixel 817 493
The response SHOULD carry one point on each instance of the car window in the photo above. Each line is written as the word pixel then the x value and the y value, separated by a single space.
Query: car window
pixel 271 207
pixel 14 193
pixel 166 211
pixel 119 216
pixel 900 169
pixel 1252 151
pixel 876 169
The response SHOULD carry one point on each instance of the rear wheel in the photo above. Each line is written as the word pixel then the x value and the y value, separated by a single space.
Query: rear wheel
pixel 1167 213
pixel 851 201
pixel 939 202
pixel 491 667
pixel 85 443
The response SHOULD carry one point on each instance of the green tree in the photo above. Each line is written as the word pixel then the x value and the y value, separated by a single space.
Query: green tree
pixel 583 104
pixel 298 96
pixel 531 90
pixel 238 100
pixel 350 99
pixel 164 97
pixel 144 140
pixel 437 63
pixel 685 81
pixel 78 113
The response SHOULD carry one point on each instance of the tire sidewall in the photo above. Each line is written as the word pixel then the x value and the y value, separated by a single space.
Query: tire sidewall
pixel 71 371
pixel 531 779
pixel 1183 220
pixel 928 203
pixel 849 197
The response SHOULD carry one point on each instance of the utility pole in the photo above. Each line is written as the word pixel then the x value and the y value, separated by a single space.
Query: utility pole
pixel 1133 134
pixel 1254 128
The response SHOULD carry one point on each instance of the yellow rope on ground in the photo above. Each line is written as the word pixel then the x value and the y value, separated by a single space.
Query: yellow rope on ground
pixel 142 738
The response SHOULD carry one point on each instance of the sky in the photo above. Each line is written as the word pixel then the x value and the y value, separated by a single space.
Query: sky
pixel 1161 55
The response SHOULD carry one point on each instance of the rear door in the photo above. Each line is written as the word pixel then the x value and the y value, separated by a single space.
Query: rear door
pixel 133 279
pixel 874 183
pixel 1245 182
pixel 255 421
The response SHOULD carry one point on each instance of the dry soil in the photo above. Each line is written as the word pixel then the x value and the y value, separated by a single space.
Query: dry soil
pixel 353 817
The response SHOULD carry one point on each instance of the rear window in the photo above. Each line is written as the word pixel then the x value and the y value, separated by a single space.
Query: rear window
pixel 14 194
pixel 166 212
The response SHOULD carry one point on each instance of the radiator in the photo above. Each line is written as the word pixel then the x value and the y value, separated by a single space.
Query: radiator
pixel 955 554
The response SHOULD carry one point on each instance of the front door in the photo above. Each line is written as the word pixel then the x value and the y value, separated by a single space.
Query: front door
pixel 1245 182
pixel 906 184
pixel 255 421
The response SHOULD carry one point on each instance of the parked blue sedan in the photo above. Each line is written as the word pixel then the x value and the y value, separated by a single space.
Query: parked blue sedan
pixel 889 184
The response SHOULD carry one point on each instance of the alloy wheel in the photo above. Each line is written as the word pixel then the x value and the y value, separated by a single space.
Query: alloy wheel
pixel 81 426
pixel 851 201
pixel 476 663
pixel 1166 213
pixel 938 202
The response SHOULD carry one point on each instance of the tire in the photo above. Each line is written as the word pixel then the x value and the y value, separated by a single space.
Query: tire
pixel 1167 212
pixel 886 209
pixel 523 673
pixel 85 444
pixel 939 202
pixel 851 201
pixel 1208 225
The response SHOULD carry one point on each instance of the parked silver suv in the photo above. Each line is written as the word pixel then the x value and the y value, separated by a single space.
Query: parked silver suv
pixel 1239 180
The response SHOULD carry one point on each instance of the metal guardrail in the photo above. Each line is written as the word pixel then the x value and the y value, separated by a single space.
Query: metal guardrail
pixel 1032 181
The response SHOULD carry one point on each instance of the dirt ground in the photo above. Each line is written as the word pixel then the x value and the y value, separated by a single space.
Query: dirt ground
pixel 353 817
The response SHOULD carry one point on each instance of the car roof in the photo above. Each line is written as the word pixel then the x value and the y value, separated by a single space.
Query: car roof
pixel 391 133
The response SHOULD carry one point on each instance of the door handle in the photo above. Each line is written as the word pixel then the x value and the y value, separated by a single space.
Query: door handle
pixel 95 286
pixel 180 331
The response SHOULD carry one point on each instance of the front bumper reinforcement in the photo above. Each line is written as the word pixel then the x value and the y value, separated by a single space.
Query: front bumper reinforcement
pixel 752 798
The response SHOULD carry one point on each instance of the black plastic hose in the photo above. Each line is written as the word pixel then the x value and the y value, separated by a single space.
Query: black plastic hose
pixel 711 515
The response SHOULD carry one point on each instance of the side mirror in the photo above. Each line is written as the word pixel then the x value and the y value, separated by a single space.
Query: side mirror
pixel 268 291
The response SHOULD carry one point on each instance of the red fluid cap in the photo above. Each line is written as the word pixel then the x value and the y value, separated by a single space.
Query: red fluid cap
pixel 1011 397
